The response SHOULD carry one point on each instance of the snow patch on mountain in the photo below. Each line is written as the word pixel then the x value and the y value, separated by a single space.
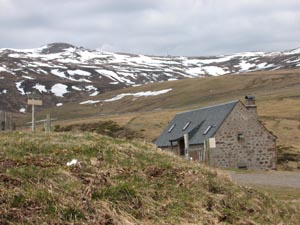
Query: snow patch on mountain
pixel 27 77
pixel 58 73
pixel 3 92
pixel 214 70
pixel 41 88
pixel 59 90
pixel 195 71
pixel 22 110
pixel 89 102
pixel 244 65
pixel 92 88
pixel 95 93
pixel 19 87
pixel 114 76
pixel 76 88
pixel 61 63
pixel 138 94
pixel 79 72
pixel 2 69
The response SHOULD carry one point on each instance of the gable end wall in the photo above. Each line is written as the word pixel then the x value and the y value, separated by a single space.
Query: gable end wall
pixel 257 150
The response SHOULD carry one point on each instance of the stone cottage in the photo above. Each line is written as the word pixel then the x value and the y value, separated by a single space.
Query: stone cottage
pixel 227 135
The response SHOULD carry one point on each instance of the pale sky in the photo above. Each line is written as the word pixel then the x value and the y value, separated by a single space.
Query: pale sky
pixel 158 27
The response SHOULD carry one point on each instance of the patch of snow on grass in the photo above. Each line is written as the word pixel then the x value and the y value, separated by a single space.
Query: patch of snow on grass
pixel 22 110
pixel 59 104
pixel 95 93
pixel 138 94
pixel 90 88
pixel 27 77
pixel 56 72
pixel 126 74
pixel 42 71
pixel 42 64
pixel 59 90
pixel 89 102
pixel 2 69
pixel 76 88
pixel 41 88
pixel 114 76
pixel 20 89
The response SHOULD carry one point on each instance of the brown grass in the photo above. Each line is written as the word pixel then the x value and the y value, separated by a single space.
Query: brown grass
pixel 277 93
pixel 119 182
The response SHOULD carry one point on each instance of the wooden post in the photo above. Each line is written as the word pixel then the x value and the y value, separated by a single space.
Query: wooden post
pixel 48 123
pixel 33 119
pixel 186 146
pixel 34 102
pixel 10 125
pixel 5 121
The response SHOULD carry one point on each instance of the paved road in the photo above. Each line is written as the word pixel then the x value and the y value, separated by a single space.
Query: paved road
pixel 268 178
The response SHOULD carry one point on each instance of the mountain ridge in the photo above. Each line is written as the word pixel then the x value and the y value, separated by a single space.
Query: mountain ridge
pixel 61 72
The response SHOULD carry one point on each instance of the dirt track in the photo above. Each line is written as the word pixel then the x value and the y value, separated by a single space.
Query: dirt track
pixel 269 178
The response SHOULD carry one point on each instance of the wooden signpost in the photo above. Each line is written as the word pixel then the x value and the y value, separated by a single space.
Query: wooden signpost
pixel 34 102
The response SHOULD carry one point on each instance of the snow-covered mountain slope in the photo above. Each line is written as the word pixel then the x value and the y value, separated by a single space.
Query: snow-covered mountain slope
pixel 62 72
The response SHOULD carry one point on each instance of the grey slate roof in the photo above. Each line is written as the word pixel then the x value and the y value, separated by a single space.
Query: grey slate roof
pixel 200 120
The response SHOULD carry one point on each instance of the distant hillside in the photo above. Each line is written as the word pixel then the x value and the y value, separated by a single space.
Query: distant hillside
pixel 61 72
pixel 92 179
pixel 147 109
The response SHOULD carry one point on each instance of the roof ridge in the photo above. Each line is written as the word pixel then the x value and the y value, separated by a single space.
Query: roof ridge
pixel 211 106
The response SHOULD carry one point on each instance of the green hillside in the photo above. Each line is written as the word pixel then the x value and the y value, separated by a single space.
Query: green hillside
pixel 277 93
pixel 114 181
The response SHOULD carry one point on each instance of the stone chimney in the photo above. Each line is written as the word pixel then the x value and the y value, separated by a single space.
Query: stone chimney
pixel 250 105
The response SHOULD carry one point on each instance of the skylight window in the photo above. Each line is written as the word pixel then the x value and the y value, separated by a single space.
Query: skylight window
pixel 207 130
pixel 171 128
pixel 186 125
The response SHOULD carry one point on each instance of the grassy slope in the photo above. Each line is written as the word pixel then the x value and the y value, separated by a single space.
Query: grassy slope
pixel 278 100
pixel 119 182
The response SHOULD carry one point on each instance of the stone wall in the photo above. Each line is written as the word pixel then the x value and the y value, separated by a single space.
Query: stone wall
pixel 242 141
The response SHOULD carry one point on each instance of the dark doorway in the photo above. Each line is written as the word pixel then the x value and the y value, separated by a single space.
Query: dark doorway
pixel 181 147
